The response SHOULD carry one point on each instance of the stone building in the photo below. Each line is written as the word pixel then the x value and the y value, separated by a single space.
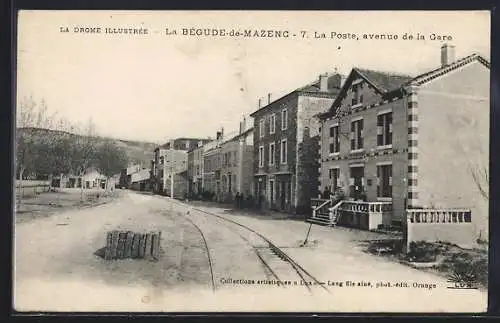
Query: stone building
pixel 285 139
pixel 412 142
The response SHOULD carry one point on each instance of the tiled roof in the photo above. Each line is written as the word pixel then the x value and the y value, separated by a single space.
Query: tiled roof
pixel 388 83
pixel 384 81
pixel 141 175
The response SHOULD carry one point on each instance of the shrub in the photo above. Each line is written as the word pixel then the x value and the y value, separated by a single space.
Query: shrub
pixel 422 251
pixel 466 267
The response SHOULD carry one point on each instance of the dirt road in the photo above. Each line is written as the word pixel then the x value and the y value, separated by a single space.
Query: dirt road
pixel 57 270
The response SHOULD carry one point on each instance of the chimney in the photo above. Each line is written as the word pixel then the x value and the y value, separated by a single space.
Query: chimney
pixel 268 98
pixel 323 82
pixel 219 135
pixel 260 103
pixel 447 54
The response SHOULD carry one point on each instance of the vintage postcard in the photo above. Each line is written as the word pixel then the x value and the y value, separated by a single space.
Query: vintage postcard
pixel 252 161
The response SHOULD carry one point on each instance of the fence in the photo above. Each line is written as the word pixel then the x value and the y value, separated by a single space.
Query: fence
pixel 27 188
pixel 448 225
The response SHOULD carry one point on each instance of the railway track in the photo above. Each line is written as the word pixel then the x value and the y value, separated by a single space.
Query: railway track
pixel 246 233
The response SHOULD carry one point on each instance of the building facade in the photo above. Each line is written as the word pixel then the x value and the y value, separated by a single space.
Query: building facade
pixel 416 142
pixel 212 163
pixel 285 139
pixel 237 163
pixel 195 170
pixel 170 165
pixel 141 180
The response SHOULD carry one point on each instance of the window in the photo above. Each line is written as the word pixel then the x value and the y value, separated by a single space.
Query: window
pixel 357 134
pixel 334 140
pixel 384 181
pixel 357 97
pixel 272 123
pixel 272 153
pixel 333 175
pixel 283 151
pixel 261 128
pixel 284 119
pixel 261 156
pixel 384 129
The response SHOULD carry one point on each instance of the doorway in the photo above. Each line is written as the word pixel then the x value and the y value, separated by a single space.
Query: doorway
pixel 356 185
pixel 271 193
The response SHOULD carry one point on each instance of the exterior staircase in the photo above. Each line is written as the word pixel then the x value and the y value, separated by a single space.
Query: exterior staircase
pixel 325 213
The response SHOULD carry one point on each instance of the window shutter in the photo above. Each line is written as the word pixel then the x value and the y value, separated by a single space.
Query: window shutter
pixel 332 129
pixel 331 148
pixel 390 180
pixel 362 181
pixel 390 127
pixel 380 130
pixel 351 181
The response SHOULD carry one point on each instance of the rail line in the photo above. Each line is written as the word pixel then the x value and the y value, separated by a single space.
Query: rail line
pixel 208 252
pixel 301 272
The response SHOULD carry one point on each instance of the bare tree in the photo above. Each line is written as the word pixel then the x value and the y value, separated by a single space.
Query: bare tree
pixel 31 121
pixel 83 151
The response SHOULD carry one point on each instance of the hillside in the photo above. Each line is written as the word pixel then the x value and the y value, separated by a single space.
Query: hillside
pixel 139 152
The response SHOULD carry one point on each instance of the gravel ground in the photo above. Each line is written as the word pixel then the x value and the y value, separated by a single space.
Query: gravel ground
pixel 57 270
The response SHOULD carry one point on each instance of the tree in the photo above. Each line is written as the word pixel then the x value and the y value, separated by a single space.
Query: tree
pixel 83 150
pixel 31 119
pixel 110 159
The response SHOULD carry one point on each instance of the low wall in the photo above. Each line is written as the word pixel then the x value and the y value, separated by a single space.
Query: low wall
pixel 453 226
pixel 27 188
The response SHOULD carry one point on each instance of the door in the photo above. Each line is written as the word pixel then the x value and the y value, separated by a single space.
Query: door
pixel 271 193
pixel 283 195
pixel 260 192
pixel 356 184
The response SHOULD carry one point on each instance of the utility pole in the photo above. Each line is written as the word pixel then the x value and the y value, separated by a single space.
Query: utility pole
pixel 172 181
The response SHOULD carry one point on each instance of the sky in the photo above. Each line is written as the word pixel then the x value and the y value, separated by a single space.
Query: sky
pixel 153 86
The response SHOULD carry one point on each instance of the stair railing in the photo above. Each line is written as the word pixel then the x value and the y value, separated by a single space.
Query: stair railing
pixel 334 213
pixel 319 207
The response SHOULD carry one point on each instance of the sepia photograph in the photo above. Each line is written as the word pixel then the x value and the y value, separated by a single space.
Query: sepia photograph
pixel 251 161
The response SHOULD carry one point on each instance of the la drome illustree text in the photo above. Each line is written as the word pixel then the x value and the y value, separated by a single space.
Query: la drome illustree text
pixel 253 33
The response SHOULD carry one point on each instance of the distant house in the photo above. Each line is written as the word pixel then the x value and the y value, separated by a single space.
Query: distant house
pixel 211 179
pixel 185 143
pixel 170 165
pixel 195 169
pixel 141 180
pixel 236 171
pixel 126 174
